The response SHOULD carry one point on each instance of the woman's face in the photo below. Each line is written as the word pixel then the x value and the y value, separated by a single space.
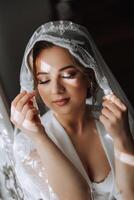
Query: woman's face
pixel 61 84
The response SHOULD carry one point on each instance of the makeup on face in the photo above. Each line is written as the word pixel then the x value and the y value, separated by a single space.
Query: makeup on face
pixel 69 73
pixel 61 102
pixel 45 67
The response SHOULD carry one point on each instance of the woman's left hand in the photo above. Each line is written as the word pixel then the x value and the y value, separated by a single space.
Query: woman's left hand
pixel 114 116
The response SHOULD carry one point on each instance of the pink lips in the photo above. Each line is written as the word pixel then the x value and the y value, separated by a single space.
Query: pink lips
pixel 61 102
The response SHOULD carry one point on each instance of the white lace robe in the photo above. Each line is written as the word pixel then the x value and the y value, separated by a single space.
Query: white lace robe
pixel 31 172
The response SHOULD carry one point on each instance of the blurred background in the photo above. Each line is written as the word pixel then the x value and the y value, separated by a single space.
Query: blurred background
pixel 110 22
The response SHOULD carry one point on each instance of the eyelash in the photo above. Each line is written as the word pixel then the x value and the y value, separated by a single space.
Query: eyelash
pixel 42 82
pixel 68 76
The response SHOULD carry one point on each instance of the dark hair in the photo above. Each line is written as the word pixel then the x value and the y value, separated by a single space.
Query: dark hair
pixel 39 46
pixel 88 72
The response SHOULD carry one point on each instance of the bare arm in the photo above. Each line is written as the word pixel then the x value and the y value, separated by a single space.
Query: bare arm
pixel 63 177
pixel 125 171
pixel 115 119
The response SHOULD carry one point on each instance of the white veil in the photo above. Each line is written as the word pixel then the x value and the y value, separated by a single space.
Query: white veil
pixel 80 44
pixel 78 41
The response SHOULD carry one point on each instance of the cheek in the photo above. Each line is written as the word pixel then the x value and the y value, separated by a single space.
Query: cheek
pixel 77 86
pixel 75 83
pixel 44 93
pixel 72 82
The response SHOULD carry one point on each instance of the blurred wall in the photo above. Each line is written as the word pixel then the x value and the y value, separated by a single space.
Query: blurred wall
pixel 18 19
pixel 111 24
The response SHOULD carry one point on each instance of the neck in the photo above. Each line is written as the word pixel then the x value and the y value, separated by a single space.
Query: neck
pixel 75 122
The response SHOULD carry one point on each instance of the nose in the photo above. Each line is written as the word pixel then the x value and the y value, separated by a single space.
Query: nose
pixel 57 87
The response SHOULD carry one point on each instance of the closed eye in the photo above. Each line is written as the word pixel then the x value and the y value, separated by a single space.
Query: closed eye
pixel 43 82
pixel 69 75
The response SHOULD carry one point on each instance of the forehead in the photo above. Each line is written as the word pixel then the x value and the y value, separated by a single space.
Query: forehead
pixel 54 58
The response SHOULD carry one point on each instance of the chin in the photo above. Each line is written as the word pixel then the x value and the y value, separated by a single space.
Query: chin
pixel 66 110
pixel 62 110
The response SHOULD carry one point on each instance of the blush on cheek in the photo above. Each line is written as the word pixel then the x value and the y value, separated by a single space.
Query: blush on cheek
pixel 42 90
pixel 44 94
pixel 73 82
pixel 39 88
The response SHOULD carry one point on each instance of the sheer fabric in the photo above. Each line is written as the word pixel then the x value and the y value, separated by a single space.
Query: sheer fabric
pixel 80 44
pixel 31 172
pixel 78 41
pixel 9 185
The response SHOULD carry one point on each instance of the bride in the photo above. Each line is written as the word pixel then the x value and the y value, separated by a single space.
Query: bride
pixel 81 146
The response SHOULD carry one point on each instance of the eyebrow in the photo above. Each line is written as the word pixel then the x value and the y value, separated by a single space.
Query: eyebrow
pixel 63 68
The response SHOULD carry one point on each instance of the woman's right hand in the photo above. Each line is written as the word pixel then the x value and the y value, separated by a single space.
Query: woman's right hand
pixel 25 116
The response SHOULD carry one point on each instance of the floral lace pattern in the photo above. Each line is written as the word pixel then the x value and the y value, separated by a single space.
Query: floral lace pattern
pixel 69 35
pixel 30 171
pixel 9 185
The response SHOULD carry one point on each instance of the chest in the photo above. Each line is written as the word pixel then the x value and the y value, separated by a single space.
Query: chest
pixel 92 155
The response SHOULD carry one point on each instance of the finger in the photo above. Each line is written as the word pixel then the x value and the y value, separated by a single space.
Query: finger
pixel 17 98
pixel 14 102
pixel 19 116
pixel 12 110
pixel 29 122
pixel 15 116
pixel 23 113
pixel 23 101
pixel 31 113
pixel 107 113
pixel 112 107
pixel 104 119
pixel 117 101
